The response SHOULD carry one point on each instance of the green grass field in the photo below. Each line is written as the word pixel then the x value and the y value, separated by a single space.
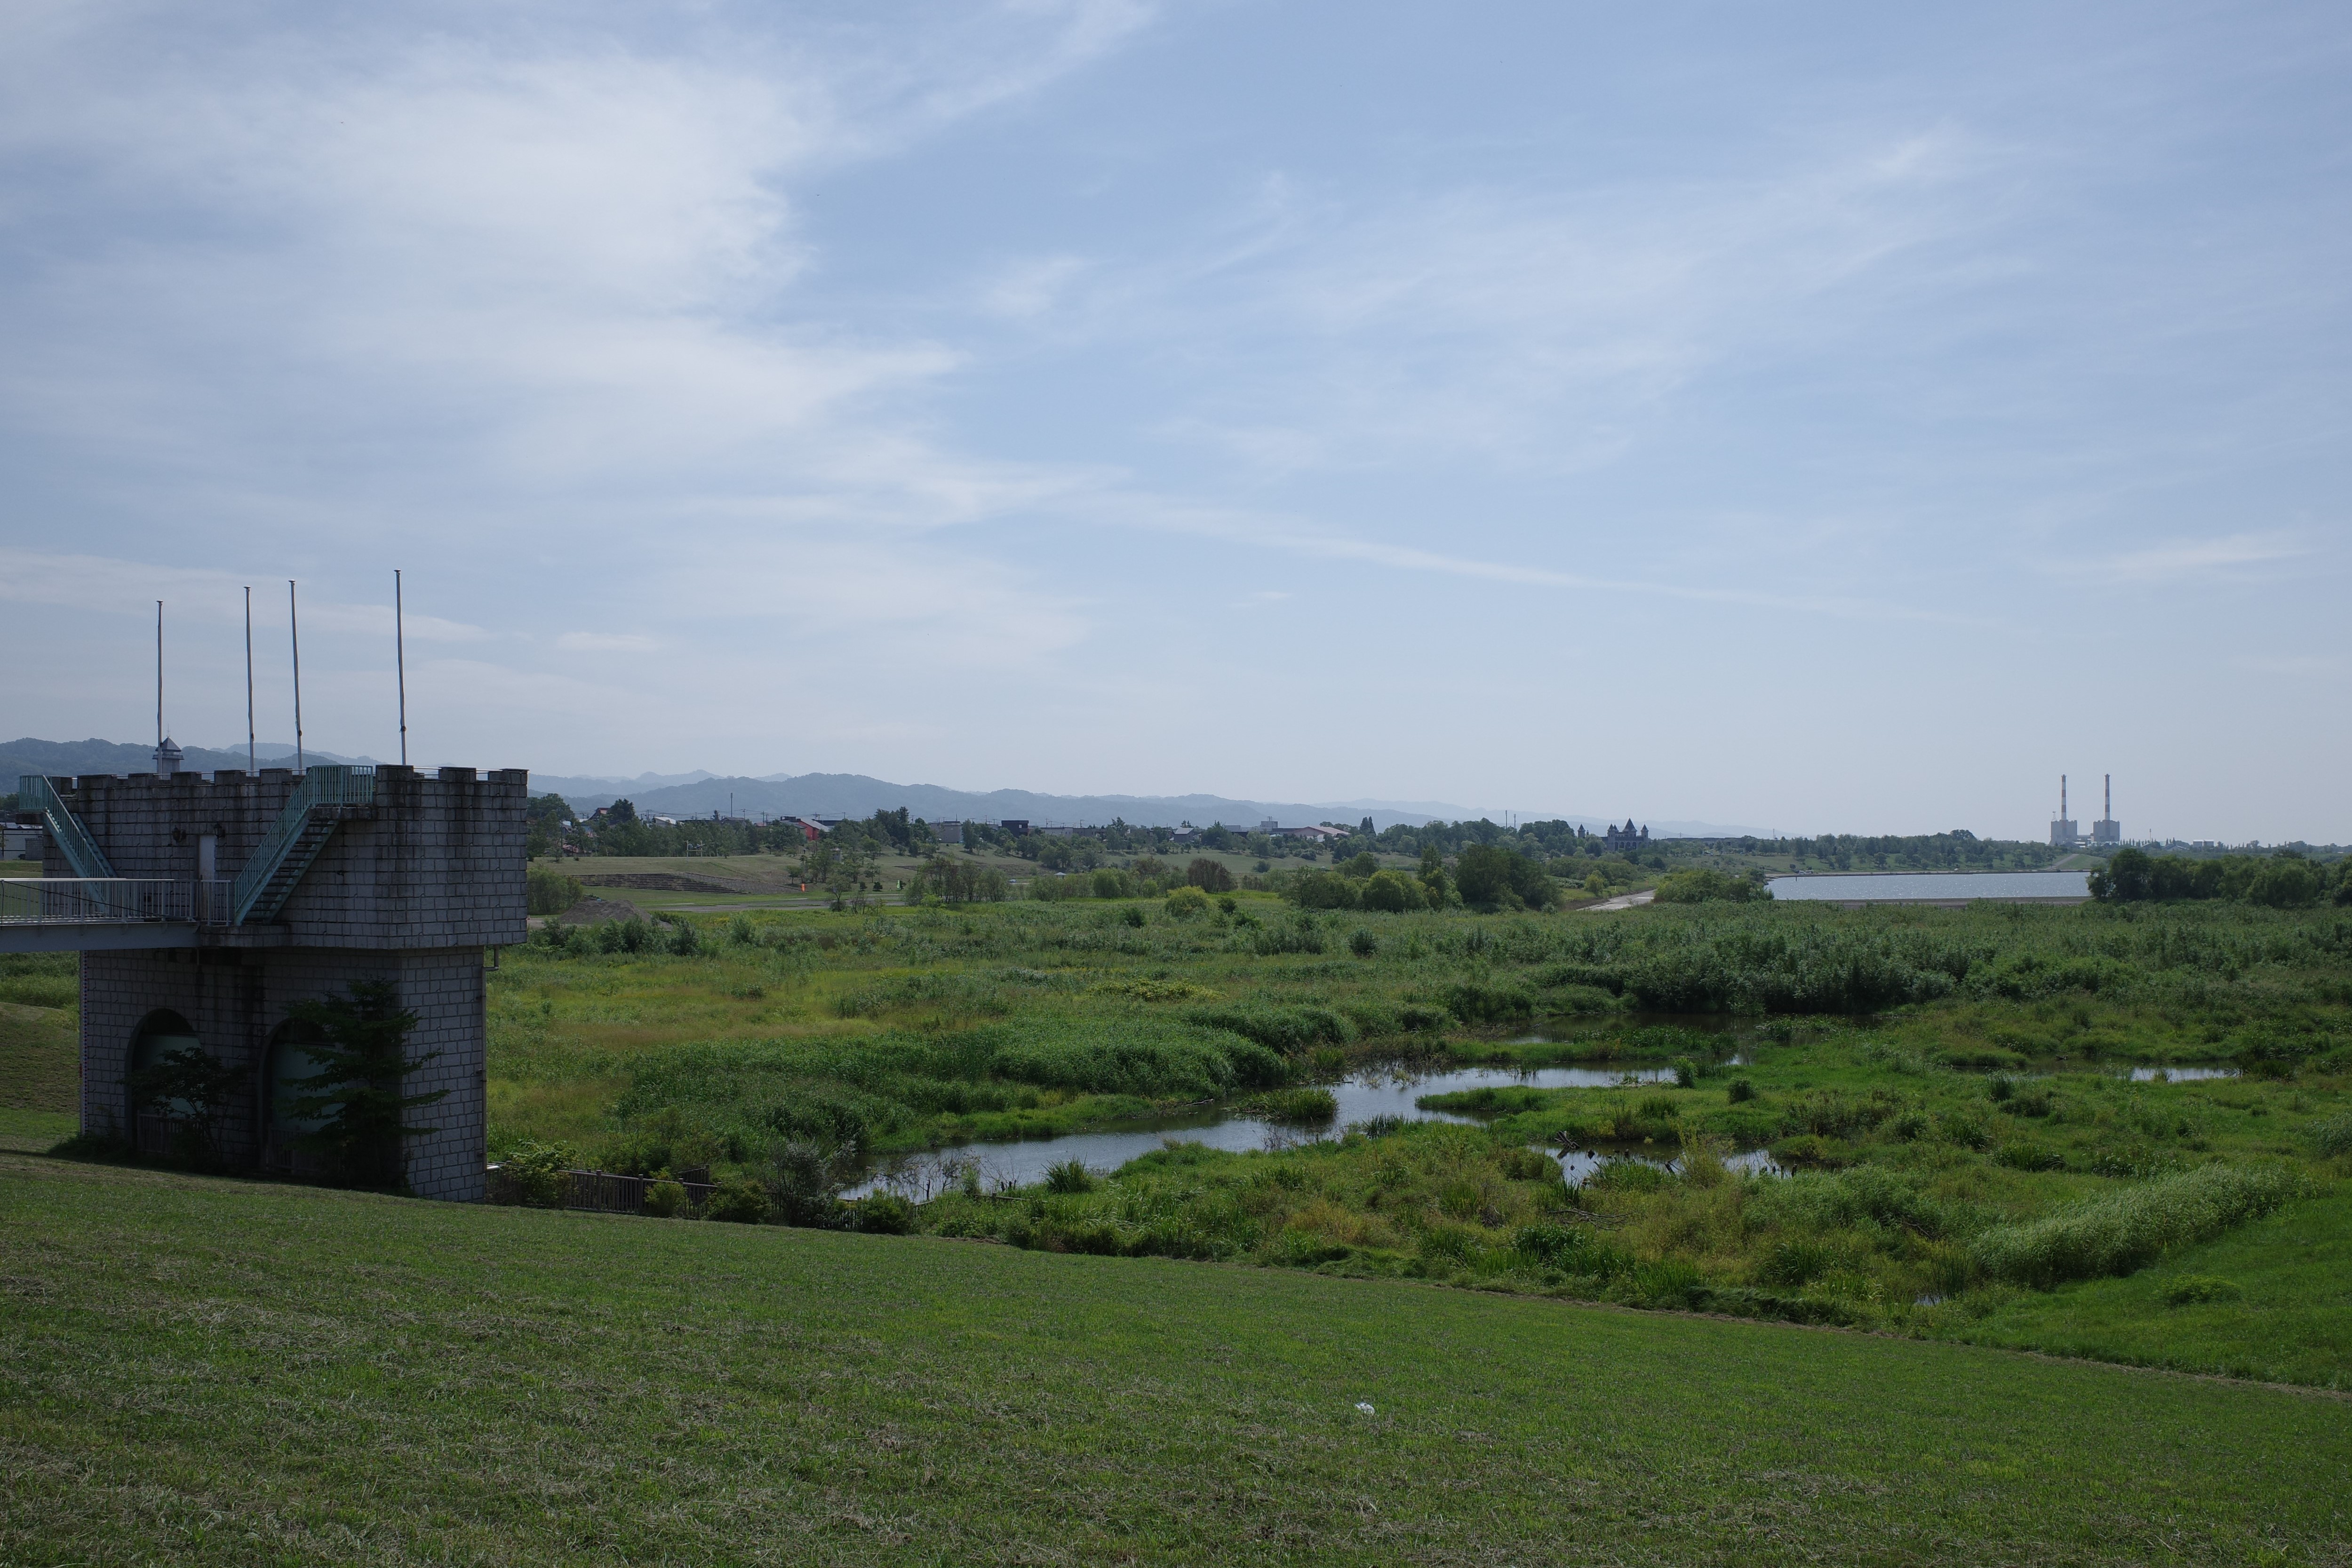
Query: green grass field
pixel 202 1371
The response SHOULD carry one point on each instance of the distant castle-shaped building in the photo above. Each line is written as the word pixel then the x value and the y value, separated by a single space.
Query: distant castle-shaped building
pixel 1626 840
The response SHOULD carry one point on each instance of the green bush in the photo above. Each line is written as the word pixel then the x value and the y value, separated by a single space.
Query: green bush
pixel 1362 943
pixel 885 1214
pixel 1738 1091
pixel 665 1198
pixel 1704 885
pixel 1209 876
pixel 1391 892
pixel 2124 1231
pixel 1069 1176
pixel 1297 1107
pixel 1186 902
pixel 550 892
pixel 2198 1290
pixel 2334 1136
pixel 533 1172
pixel 741 1200
pixel 1325 890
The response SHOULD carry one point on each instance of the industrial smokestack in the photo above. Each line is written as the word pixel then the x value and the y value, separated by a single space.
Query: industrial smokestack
pixel 2107 806
pixel 2062 798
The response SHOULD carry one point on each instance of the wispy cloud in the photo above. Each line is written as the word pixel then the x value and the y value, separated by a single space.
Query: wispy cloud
pixel 105 586
pixel 606 643
pixel 2177 559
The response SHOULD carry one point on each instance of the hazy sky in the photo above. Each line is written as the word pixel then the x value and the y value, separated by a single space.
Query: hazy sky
pixel 1830 417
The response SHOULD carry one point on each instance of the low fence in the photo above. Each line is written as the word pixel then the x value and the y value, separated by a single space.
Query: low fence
pixel 111 901
pixel 603 1192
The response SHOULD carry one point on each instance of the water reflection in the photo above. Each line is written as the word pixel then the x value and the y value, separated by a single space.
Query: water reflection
pixel 2179 1075
pixel 1578 1165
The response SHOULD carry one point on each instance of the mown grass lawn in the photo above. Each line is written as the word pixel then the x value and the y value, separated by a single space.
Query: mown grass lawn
pixel 196 1371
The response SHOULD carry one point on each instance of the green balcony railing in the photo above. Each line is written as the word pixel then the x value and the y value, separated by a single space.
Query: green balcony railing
pixel 294 839
pixel 65 830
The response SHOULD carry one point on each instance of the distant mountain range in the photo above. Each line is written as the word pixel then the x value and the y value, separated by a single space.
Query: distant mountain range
pixel 699 793
pixel 18 757
pixel 856 795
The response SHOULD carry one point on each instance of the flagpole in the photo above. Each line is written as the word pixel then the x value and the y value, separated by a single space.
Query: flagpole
pixel 294 624
pixel 249 760
pixel 400 661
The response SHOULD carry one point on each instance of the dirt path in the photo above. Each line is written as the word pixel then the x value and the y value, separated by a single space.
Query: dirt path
pixel 1622 901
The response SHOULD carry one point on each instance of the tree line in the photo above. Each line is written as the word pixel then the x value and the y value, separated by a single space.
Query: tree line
pixel 2284 880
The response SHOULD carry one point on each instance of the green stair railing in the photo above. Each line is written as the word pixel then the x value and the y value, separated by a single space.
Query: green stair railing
pixel 65 830
pixel 295 839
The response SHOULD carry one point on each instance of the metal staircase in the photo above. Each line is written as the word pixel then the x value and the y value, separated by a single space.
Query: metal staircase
pixel 65 830
pixel 326 797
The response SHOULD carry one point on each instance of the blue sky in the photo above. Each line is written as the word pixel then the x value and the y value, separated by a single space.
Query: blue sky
pixel 1828 417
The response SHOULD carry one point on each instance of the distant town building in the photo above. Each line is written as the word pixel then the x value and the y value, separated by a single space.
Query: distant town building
pixel 1270 827
pixel 1017 826
pixel 1626 840
pixel 1318 834
pixel 21 838
pixel 948 832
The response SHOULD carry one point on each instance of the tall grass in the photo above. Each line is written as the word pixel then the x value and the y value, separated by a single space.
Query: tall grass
pixel 2125 1232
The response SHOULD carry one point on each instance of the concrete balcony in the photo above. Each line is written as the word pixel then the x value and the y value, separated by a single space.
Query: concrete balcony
pixel 85 913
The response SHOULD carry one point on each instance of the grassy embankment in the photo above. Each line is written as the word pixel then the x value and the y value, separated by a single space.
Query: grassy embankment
pixel 205 1370
pixel 40 1003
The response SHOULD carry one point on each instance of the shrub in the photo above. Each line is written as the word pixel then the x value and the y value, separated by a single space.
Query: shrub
pixel 1740 1090
pixel 533 1172
pixel 741 1200
pixel 2334 1136
pixel 665 1198
pixel 885 1214
pixel 1571 1248
pixel 2123 1231
pixel 1362 943
pixel 1187 902
pixel 2027 1156
pixel 1704 885
pixel 1685 1073
pixel 1473 1001
pixel 1391 892
pixel 1209 876
pixel 1298 1107
pixel 2195 1289
pixel 1111 883
pixel 550 892
pixel 1069 1176
pixel 1324 890
pixel 1132 916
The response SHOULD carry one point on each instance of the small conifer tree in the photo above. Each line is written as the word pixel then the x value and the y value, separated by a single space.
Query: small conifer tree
pixel 363 1056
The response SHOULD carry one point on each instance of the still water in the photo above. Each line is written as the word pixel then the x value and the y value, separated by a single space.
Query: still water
pixel 1362 1099
pixel 1931 887
pixel 2179 1075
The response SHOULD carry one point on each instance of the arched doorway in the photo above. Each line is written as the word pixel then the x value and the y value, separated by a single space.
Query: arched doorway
pixel 160 1033
pixel 285 1082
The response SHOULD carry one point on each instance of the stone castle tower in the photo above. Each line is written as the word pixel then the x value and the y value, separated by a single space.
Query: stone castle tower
pixel 205 909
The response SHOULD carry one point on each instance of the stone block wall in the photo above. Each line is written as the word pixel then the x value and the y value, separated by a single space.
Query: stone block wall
pixel 235 999
pixel 437 864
